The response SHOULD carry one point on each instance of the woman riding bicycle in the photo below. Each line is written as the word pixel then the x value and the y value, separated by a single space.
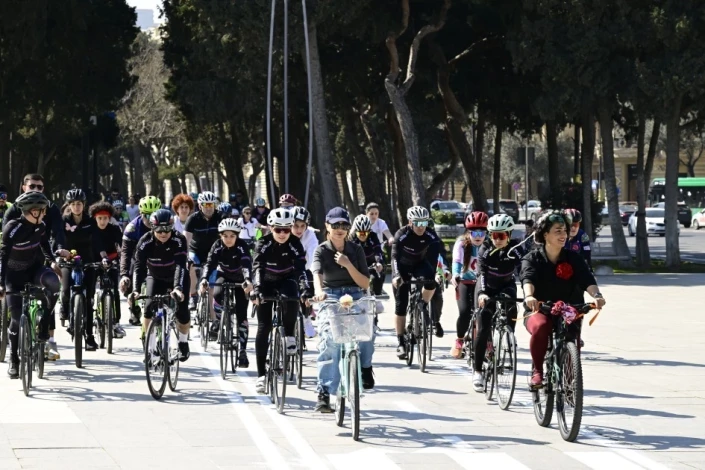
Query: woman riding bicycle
pixel 182 205
pixel 465 255
pixel 552 272
pixel 363 235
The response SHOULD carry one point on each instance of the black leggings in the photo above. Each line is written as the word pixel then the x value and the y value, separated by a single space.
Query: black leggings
pixel 240 308
pixel 89 278
pixel 160 287
pixel 287 288
pixel 466 302
pixel 484 322
pixel 38 275
pixel 377 280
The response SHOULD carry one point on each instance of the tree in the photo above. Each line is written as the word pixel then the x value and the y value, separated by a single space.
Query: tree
pixel 694 146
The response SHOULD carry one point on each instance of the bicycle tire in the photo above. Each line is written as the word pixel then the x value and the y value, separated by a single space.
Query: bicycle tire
pixel 354 394
pixel 78 310
pixel 234 344
pixel 25 349
pixel 204 318
pixel 172 352
pixel 99 322
pixel 283 366
pixel 505 366
pixel 224 322
pixel 470 342
pixel 339 409
pixel 489 367
pixel 570 368
pixel 421 340
pixel 543 399
pixel 409 340
pixel 269 375
pixel 4 335
pixel 429 335
pixel 108 320
pixel 299 358
pixel 156 389
pixel 273 365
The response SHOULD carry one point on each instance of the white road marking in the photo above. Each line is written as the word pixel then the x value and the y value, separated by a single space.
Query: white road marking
pixel 603 460
pixel 365 458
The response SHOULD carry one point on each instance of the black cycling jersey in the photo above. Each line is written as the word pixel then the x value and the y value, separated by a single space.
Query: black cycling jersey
pixel 234 263
pixel 21 241
pixel 495 267
pixel 410 250
pixel 163 261
pixel 275 261
pixel 372 248
pixel 204 232
pixel 52 220
pixel 261 217
pixel 110 239
pixel 83 237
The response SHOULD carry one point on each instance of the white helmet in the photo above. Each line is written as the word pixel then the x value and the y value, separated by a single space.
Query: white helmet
pixel 417 213
pixel 500 223
pixel 229 224
pixel 281 217
pixel 207 196
pixel 362 223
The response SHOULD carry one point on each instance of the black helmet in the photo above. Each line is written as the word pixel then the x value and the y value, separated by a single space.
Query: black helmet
pixel 75 195
pixel 161 221
pixel 31 200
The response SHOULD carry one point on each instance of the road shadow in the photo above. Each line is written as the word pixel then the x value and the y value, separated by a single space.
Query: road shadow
pixel 626 438
pixel 599 410
pixel 654 280
pixel 603 357
pixel 610 394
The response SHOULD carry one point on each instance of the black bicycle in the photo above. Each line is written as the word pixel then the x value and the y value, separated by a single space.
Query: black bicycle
pixel 504 351
pixel 228 339
pixel 106 305
pixel 5 325
pixel 420 327
pixel 563 376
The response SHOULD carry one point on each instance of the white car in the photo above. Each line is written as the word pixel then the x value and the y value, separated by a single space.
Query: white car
pixel 655 223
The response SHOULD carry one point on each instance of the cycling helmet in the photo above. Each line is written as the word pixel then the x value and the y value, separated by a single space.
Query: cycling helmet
pixel 259 202
pixel 118 204
pixel 287 199
pixel 361 223
pixel 149 204
pixel 281 217
pixel 225 208
pixel 476 220
pixel 300 213
pixel 161 218
pixel 206 197
pixel 232 225
pixel 193 195
pixel 31 200
pixel 75 195
pixel 500 223
pixel 417 213
pixel 574 215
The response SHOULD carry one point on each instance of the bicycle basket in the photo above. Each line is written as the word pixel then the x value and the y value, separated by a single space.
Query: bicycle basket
pixel 352 324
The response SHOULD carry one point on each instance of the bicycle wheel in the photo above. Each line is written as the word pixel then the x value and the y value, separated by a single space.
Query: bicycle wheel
pixel 505 368
pixel 269 375
pixel 78 310
pixel 488 368
pixel 281 366
pixel 421 344
pixel 172 353
pixel 354 393
pixel 299 358
pixel 25 349
pixel 224 343
pixel 570 394
pixel 543 398
pixel 410 339
pixel 4 335
pixel 203 319
pixel 233 342
pixel 99 324
pixel 339 409
pixel 108 320
pixel 429 335
pixel 153 359
pixel 39 348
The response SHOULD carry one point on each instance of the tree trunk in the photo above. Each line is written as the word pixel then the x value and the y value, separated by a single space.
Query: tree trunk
pixel 257 162
pixel 496 173
pixel 606 127
pixel 137 181
pixel 5 158
pixel 588 153
pixel 372 169
pixel 553 174
pixel 328 186
pixel 442 178
pixel 673 255
pixel 401 172
pixel 480 139
pixel 347 197
pixel 576 149
pixel 643 257
pixel 233 163
pixel 353 187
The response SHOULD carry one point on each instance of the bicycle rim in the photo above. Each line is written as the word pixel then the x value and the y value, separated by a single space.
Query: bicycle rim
pixel 339 409
pixel 39 354
pixel 429 341
pixel 421 340
pixel 543 399
pixel 78 309
pixel 204 317
pixel 233 342
pixel 172 350
pixel 505 368
pixel 224 320
pixel 153 362
pixel 99 322
pixel 570 395
pixel 108 320
pixel 354 393
pixel 25 355
pixel 283 361
pixel 300 342
pixel 4 334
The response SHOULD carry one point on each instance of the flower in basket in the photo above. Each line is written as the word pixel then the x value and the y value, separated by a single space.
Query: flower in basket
pixel 568 312
pixel 564 271
pixel 346 301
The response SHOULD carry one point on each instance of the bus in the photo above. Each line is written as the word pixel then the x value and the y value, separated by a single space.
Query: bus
pixel 692 191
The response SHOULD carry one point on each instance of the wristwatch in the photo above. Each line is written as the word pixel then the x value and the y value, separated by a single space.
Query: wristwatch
pixel 597 295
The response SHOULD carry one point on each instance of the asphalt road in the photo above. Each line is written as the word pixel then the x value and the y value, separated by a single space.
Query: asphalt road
pixel 692 243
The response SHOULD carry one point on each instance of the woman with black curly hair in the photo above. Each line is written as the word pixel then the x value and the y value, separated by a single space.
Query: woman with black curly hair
pixel 552 273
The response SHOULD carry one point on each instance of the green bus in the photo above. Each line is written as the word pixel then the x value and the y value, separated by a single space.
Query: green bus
pixel 692 192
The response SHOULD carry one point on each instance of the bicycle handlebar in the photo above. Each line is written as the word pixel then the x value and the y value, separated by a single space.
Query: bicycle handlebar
pixel 546 307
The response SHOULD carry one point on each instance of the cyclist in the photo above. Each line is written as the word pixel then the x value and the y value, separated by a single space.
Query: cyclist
pixel 307 235
pixel 442 274
pixel 82 237
pixel 552 272
pixel 578 241
pixel 201 232
pixel 23 253
pixel 238 201
pixel 497 262
pixel 160 262
pixel 379 226
pixel 132 207
pixel 227 211
pixel 110 239
pixel 182 205
pixel 279 265
pixel 230 259
pixel 261 211
pixel 4 205
pixel 363 235
pixel 133 232
pixel 414 253
pixel 287 200
pixel 120 216
pixel 465 259
pixel 249 227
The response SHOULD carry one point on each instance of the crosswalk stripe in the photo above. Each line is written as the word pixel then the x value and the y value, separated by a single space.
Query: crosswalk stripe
pixel 604 460
pixel 365 458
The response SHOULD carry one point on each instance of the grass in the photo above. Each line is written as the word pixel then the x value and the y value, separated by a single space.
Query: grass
pixel 657 266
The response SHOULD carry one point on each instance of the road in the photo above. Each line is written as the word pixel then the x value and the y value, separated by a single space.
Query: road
pixel 644 405
pixel 692 243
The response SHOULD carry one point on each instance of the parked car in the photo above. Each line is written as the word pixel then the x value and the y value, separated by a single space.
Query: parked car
pixel 533 213
pixel 655 222
pixel 699 220
pixel 685 215
pixel 506 206
pixel 625 212
pixel 450 206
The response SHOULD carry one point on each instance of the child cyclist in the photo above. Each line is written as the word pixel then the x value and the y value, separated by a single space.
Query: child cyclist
pixel 363 235
pixel 307 235
pixel 230 259
pixel 464 277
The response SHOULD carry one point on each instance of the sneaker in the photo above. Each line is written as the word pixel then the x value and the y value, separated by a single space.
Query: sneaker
pixel 14 370
pixel 243 361
pixel 184 351
pixel 368 378
pixel 192 302
pixel 135 314
pixel 478 382
pixel 323 403
pixel 51 351
pixel 536 379
pixel 401 352
pixel 291 345
pixel 213 333
pixel 259 385
pixel 309 330
pixel 439 330
pixel 91 345
pixel 118 332
pixel 457 350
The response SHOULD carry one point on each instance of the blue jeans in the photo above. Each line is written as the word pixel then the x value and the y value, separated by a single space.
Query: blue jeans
pixel 329 351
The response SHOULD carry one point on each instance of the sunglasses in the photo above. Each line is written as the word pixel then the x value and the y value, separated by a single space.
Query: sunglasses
pixel 3 195
pixel 38 187
pixel 281 230
pixel 477 233
pixel 208 205
pixel 420 223
pixel 362 233
pixel 340 226
pixel 163 229
pixel 499 235
pixel 247 213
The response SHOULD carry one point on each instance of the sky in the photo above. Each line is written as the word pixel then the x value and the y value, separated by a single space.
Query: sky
pixel 147 5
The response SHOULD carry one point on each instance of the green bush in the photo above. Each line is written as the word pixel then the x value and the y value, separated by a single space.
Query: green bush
pixel 571 197
pixel 443 217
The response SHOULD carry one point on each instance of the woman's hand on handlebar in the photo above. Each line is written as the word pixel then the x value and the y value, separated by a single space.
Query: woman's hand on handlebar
pixel 482 300
pixel 247 287
pixel 63 254
pixel 531 303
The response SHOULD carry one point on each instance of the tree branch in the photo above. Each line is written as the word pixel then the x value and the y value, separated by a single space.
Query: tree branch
pixel 414 51
pixel 484 42
pixel 391 43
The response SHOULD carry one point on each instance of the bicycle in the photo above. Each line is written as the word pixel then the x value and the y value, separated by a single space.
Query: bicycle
pixel 105 306
pixel 296 367
pixel 161 346
pixel 417 331
pixel 203 313
pixel 504 351
pixel 350 324
pixel 5 333
pixel 31 347
pixel 229 344
pixel 563 375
